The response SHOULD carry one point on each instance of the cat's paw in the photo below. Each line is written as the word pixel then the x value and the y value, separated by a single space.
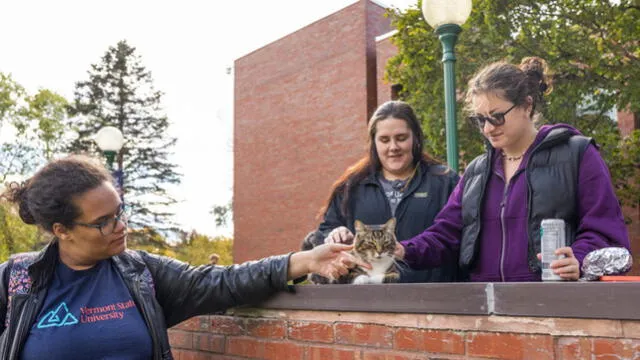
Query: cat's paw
pixel 377 279
pixel 391 277
pixel 361 279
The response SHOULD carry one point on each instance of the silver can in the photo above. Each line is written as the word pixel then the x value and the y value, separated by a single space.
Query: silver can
pixel 552 237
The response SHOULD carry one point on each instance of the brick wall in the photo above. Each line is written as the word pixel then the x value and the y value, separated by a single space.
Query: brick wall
pixel 301 106
pixel 627 122
pixel 634 237
pixel 311 335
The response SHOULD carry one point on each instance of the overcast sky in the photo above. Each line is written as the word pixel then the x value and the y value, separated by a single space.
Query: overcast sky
pixel 188 46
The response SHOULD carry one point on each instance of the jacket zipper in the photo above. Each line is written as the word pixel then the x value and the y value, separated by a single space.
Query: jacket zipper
pixel 503 205
pixel 155 342
pixel 4 350
pixel 27 311
pixel 504 235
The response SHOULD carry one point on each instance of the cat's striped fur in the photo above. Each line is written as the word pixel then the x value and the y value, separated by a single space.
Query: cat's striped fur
pixel 374 244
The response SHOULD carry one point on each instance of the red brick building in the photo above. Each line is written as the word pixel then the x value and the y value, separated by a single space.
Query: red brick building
pixel 301 107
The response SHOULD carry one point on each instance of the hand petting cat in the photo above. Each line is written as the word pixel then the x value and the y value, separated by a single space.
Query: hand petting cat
pixel 329 260
pixel 339 235
pixel 399 252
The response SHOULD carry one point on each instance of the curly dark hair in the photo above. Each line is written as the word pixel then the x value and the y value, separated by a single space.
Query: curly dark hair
pixel 46 198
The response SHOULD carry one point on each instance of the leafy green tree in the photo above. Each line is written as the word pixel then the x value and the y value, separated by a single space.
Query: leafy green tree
pixel 10 94
pixel 15 235
pixel 47 111
pixel 120 93
pixel 196 248
pixel 37 121
pixel 150 240
pixel 591 47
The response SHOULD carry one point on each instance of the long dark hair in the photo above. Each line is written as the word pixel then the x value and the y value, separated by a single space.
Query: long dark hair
pixel 370 163
pixel 46 198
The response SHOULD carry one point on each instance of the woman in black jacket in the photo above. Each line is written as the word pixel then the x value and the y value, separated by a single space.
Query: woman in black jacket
pixel 85 296
pixel 396 178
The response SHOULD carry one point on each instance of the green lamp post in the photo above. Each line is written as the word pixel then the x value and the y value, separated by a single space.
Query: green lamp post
pixel 446 16
pixel 110 141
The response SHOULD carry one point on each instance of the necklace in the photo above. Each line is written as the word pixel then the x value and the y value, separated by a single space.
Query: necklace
pixel 401 185
pixel 512 158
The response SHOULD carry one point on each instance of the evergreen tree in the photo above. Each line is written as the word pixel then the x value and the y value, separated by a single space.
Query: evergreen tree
pixel 120 93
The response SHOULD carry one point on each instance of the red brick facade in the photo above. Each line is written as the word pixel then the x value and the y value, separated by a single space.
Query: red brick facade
pixel 627 122
pixel 313 335
pixel 301 107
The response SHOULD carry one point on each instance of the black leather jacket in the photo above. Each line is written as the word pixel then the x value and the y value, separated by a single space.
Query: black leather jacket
pixel 179 292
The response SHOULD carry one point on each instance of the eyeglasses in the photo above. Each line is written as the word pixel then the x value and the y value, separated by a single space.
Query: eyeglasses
pixel 107 227
pixel 496 119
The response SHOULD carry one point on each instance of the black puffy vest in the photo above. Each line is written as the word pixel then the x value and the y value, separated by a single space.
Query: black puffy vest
pixel 552 183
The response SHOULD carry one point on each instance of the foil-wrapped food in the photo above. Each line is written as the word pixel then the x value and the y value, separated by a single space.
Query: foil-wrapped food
pixel 606 261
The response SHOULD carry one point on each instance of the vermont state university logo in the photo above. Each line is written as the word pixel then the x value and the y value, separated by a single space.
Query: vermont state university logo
pixel 58 317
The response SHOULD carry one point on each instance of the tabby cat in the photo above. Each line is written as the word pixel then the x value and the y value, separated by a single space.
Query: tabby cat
pixel 375 245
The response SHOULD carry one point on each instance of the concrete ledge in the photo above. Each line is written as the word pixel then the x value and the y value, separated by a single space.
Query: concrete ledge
pixel 434 298
pixel 576 300
pixel 559 300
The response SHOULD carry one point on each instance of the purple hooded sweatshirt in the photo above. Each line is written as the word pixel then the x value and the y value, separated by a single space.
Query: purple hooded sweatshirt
pixel 502 252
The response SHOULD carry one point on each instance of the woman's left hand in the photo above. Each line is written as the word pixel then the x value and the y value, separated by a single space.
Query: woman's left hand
pixel 333 260
pixel 567 268
pixel 328 260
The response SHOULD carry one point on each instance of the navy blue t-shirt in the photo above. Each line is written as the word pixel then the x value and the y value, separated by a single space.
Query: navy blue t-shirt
pixel 88 314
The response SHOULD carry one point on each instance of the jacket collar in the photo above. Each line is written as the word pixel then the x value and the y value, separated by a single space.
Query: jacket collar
pixel 129 262
pixel 372 178
pixel 44 263
pixel 554 137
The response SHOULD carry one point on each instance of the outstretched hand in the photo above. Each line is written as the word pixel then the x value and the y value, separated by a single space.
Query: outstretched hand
pixel 333 260
pixel 328 260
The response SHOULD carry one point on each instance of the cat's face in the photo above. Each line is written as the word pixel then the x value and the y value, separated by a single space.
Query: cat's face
pixel 375 243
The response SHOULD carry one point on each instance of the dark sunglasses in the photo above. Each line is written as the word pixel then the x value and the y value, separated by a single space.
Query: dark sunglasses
pixel 496 119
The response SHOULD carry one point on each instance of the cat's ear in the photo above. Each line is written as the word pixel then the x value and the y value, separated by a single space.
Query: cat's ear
pixel 358 225
pixel 390 225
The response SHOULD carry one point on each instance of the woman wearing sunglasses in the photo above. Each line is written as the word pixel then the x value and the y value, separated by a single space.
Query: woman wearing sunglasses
pixel 85 296
pixel 491 223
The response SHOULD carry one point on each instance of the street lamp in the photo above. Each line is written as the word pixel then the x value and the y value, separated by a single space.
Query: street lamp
pixel 446 16
pixel 110 141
